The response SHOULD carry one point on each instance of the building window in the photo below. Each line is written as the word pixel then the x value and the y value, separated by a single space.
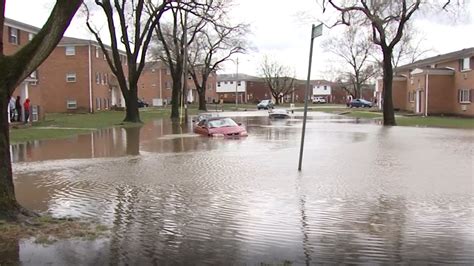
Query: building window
pixel 167 85
pixel 13 35
pixel 238 83
pixel 411 96
pixel 34 76
pixel 30 36
pixel 71 104
pixel 464 96
pixel 168 72
pixel 105 58
pixel 71 77
pixel 325 87
pixel 97 52
pixel 218 84
pixel 97 103
pixel 70 50
pixel 465 64
pixel 225 82
pixel 106 79
pixel 231 82
pixel 102 79
pixel 153 70
pixel 97 78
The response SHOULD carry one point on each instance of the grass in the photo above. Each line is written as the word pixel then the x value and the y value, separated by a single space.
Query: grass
pixel 62 125
pixel 433 121
pixel 46 230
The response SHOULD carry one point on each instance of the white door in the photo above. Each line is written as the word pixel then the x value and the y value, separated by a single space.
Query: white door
pixel 418 102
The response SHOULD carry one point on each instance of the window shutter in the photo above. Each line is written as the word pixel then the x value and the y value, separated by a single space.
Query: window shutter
pixel 18 36
pixel 9 34
pixel 459 96
pixel 470 95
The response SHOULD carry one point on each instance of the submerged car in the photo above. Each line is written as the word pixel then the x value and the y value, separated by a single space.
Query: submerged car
pixel 220 127
pixel 359 103
pixel 278 113
pixel 265 104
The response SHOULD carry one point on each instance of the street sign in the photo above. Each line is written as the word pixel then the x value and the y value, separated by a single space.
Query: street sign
pixel 317 31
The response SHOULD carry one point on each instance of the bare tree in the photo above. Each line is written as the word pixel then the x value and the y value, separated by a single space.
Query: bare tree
pixel 187 19
pixel 135 29
pixel 214 45
pixel 15 68
pixel 410 48
pixel 387 20
pixel 354 49
pixel 279 79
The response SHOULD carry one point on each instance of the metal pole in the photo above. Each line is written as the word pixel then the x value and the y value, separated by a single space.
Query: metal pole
pixel 236 81
pixel 306 99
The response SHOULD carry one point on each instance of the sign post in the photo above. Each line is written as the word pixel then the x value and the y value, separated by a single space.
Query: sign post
pixel 316 31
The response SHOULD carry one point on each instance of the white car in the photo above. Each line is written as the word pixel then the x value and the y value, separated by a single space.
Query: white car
pixel 319 99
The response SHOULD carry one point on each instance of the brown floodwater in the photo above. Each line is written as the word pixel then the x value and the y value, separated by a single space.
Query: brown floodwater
pixel 367 194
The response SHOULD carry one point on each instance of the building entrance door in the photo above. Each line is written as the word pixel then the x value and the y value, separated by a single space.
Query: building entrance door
pixel 418 101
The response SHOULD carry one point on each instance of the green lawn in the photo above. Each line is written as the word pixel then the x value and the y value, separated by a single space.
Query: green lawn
pixel 61 125
pixel 433 121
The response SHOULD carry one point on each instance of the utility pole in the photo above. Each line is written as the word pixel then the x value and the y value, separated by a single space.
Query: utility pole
pixel 236 82
pixel 316 31
pixel 185 71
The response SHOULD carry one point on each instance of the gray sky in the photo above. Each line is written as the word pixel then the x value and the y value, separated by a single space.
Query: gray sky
pixel 280 29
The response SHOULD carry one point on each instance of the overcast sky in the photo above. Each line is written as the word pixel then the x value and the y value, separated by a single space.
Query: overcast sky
pixel 280 29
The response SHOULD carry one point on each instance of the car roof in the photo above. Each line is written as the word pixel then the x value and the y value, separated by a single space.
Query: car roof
pixel 217 118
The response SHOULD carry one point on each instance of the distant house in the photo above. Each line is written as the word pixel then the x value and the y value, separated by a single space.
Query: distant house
pixel 246 88
pixel 441 84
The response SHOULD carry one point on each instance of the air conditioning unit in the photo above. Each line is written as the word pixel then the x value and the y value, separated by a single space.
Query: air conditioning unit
pixel 464 107
pixel 464 75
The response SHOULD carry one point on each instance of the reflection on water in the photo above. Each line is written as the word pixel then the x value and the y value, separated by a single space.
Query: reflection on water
pixel 366 194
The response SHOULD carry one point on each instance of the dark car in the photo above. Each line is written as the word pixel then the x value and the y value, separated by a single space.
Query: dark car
pixel 141 104
pixel 359 103
pixel 265 104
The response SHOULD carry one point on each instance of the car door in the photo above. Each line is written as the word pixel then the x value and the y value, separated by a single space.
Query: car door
pixel 201 128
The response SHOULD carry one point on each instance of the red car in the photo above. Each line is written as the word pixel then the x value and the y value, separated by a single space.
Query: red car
pixel 220 127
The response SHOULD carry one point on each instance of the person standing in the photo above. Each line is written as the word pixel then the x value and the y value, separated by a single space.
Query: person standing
pixel 11 106
pixel 26 106
pixel 18 108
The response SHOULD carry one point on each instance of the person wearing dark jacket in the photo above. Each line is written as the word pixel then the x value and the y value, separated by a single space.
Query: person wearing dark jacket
pixel 18 108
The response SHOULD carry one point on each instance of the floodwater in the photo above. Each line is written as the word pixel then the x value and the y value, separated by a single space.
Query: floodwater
pixel 367 194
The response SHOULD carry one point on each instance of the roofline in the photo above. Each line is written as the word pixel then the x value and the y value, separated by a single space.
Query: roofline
pixel 442 59
pixel 74 41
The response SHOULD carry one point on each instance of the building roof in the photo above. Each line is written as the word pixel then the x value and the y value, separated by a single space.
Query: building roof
pixel 468 52
pixel 64 41
pixel 21 25
pixel 235 77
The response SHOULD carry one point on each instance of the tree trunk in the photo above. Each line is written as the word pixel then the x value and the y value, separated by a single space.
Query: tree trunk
pixel 131 112
pixel 176 98
pixel 388 113
pixel 8 204
pixel 202 99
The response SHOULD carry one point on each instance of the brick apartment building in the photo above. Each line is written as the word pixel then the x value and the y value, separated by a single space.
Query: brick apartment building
pixel 441 84
pixel 75 77
pixel 155 85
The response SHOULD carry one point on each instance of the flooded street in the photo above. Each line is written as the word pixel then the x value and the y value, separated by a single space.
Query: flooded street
pixel 366 194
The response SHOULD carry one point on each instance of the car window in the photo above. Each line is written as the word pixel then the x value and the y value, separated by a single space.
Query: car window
pixel 226 122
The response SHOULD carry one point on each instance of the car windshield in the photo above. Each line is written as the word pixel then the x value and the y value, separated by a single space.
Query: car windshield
pixel 264 101
pixel 225 122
